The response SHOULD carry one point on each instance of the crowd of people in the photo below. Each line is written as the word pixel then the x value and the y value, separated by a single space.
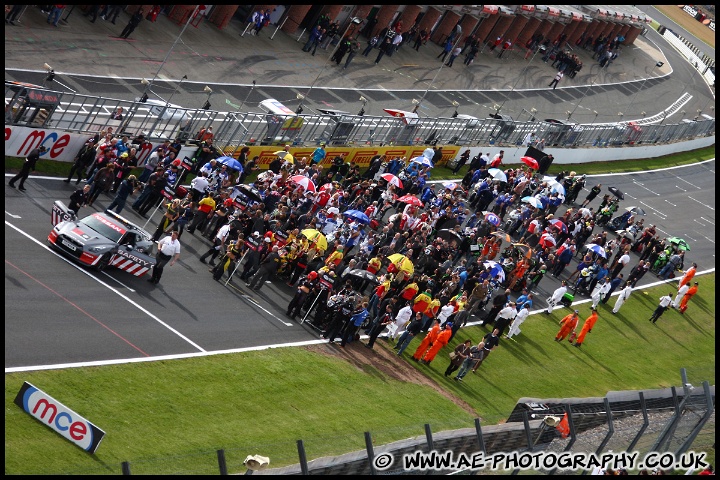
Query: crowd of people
pixel 386 252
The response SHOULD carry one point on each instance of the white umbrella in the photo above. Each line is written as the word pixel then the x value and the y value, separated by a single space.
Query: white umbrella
pixel 557 188
pixel 533 201
pixel 333 210
pixel 497 174
pixel 585 212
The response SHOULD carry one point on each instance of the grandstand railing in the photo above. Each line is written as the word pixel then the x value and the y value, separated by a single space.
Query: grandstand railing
pixel 88 114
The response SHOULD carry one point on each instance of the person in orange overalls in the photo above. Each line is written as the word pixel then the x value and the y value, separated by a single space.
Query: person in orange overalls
pixel 427 341
pixel 486 249
pixel 518 273
pixel 569 324
pixel 688 275
pixel 686 298
pixel 587 327
pixel 442 339
pixel 494 249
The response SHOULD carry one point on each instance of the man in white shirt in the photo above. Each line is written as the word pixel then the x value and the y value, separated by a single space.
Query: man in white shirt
pixel 622 261
pixel 397 40
pixel 624 295
pixel 664 304
pixel 199 186
pixel 599 292
pixel 556 297
pixel 218 244
pixel 401 320
pixel 445 313
pixel 168 248
pixel 485 157
pixel 681 291
pixel 519 319
pixel 505 317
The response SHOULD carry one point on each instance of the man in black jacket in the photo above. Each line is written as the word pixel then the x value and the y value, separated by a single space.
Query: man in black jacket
pixel 27 167
pixel 268 267
pixel 133 23
pixel 83 159
pixel 498 302
pixel 79 198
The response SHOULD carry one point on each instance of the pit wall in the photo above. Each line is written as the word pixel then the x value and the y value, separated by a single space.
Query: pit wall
pixel 63 146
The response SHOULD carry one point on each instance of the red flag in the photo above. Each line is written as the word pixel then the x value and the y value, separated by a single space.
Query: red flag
pixel 564 426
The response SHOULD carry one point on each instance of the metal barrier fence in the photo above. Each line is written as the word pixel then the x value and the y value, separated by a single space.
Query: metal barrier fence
pixel 668 420
pixel 43 108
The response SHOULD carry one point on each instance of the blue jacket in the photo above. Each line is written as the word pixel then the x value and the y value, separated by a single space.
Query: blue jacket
pixel 359 318
pixel 602 272
pixel 523 299
pixel 614 284
pixel 566 256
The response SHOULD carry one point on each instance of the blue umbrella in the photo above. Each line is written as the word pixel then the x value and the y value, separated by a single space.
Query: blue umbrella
pixel 230 163
pixel 495 269
pixel 357 215
pixel 596 249
pixel 423 161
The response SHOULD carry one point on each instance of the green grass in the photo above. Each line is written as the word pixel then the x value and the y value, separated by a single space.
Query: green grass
pixel 170 416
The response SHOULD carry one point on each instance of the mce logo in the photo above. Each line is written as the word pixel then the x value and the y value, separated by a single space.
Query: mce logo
pixel 58 417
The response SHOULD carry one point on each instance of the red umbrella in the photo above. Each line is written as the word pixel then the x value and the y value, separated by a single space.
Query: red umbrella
pixel 305 182
pixel 530 162
pixel 411 199
pixel 547 240
pixel 392 179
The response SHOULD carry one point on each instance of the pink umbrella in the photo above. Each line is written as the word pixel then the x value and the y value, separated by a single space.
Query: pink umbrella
pixel 559 225
pixel 304 182
pixel 392 179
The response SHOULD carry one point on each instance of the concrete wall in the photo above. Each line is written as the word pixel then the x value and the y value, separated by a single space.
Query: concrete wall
pixel 607 154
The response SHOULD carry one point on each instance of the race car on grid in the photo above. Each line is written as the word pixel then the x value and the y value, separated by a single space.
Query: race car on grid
pixel 101 240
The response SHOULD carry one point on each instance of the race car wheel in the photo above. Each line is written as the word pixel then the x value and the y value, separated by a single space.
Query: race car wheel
pixel 104 262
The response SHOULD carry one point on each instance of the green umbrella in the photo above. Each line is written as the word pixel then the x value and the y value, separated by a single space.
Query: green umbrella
pixel 680 243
